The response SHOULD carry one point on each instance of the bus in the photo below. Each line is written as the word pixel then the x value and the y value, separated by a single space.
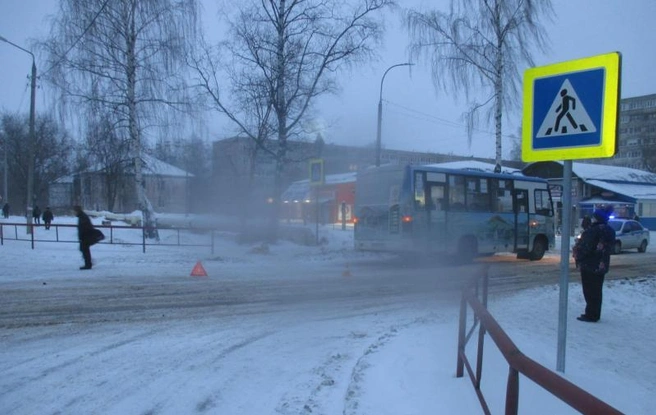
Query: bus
pixel 463 212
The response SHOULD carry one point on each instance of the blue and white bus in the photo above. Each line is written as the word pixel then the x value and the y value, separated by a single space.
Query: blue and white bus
pixel 434 209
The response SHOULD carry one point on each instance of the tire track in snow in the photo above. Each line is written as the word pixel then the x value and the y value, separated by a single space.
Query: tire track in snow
pixel 333 379
pixel 72 361
pixel 354 389
pixel 208 401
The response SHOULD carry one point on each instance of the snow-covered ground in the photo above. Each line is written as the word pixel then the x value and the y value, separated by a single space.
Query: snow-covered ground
pixel 346 356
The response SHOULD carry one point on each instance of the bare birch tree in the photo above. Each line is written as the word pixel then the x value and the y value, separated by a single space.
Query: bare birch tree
pixel 480 45
pixel 123 56
pixel 284 54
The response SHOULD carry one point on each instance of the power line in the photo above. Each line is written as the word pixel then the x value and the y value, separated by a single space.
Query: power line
pixel 440 121
pixel 79 38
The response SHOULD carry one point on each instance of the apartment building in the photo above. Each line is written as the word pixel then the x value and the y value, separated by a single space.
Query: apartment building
pixel 636 132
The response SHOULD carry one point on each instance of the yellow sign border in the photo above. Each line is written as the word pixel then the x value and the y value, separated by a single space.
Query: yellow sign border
pixel 611 63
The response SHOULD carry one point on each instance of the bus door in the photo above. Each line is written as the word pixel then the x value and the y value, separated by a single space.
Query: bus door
pixel 436 215
pixel 520 208
pixel 420 214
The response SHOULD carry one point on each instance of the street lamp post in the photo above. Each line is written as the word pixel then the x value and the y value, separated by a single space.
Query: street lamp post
pixel 380 109
pixel 32 138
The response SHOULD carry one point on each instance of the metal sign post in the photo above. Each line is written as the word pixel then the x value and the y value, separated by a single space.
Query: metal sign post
pixel 316 208
pixel 564 264
pixel 317 179
pixel 570 113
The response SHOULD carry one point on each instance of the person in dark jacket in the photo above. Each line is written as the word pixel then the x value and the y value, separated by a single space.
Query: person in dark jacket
pixel 47 217
pixel 36 214
pixel 85 232
pixel 593 257
pixel 5 211
pixel 586 222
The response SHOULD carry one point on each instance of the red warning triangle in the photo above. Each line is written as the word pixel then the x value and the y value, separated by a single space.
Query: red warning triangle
pixel 198 270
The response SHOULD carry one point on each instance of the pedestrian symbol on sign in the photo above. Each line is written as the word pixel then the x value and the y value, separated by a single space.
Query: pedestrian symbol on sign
pixel 566 116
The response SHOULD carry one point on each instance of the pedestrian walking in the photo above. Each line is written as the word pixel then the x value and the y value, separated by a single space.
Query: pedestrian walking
pixel 87 235
pixel 36 214
pixel 592 254
pixel 47 217
pixel 5 211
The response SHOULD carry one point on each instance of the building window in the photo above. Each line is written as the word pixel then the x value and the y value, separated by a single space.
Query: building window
pixel 647 209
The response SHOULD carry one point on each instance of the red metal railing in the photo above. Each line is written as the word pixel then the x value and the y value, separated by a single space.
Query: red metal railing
pixel 559 387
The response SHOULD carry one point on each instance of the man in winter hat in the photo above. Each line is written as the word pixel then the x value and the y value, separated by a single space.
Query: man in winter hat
pixel 593 256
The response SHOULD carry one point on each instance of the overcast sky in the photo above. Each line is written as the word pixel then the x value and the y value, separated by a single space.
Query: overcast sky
pixel 414 117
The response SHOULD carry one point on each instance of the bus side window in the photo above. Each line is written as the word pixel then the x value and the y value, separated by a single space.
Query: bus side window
pixel 502 196
pixel 542 202
pixel 457 193
pixel 504 201
pixel 478 196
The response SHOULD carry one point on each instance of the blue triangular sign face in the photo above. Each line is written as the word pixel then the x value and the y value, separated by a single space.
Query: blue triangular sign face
pixel 566 116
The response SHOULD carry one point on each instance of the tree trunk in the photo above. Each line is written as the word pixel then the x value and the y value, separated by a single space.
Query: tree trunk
pixel 144 204
pixel 498 111
pixel 281 113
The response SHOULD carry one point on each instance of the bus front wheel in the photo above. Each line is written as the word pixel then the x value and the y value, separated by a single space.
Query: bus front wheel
pixel 539 248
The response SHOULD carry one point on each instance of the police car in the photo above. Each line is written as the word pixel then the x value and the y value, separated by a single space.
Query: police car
pixel 629 234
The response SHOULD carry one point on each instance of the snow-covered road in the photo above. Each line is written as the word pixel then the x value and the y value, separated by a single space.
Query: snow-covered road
pixel 291 330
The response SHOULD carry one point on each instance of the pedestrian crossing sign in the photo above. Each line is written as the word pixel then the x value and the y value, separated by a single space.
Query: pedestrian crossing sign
pixel 571 109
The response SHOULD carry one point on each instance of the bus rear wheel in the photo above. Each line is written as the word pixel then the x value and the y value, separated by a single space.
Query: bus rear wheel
pixel 539 248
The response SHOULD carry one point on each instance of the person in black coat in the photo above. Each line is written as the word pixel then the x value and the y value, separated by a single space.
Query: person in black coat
pixel 592 253
pixel 5 211
pixel 85 231
pixel 36 214
pixel 47 217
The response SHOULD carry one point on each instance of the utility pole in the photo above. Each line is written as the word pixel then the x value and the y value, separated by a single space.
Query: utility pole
pixel 32 139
